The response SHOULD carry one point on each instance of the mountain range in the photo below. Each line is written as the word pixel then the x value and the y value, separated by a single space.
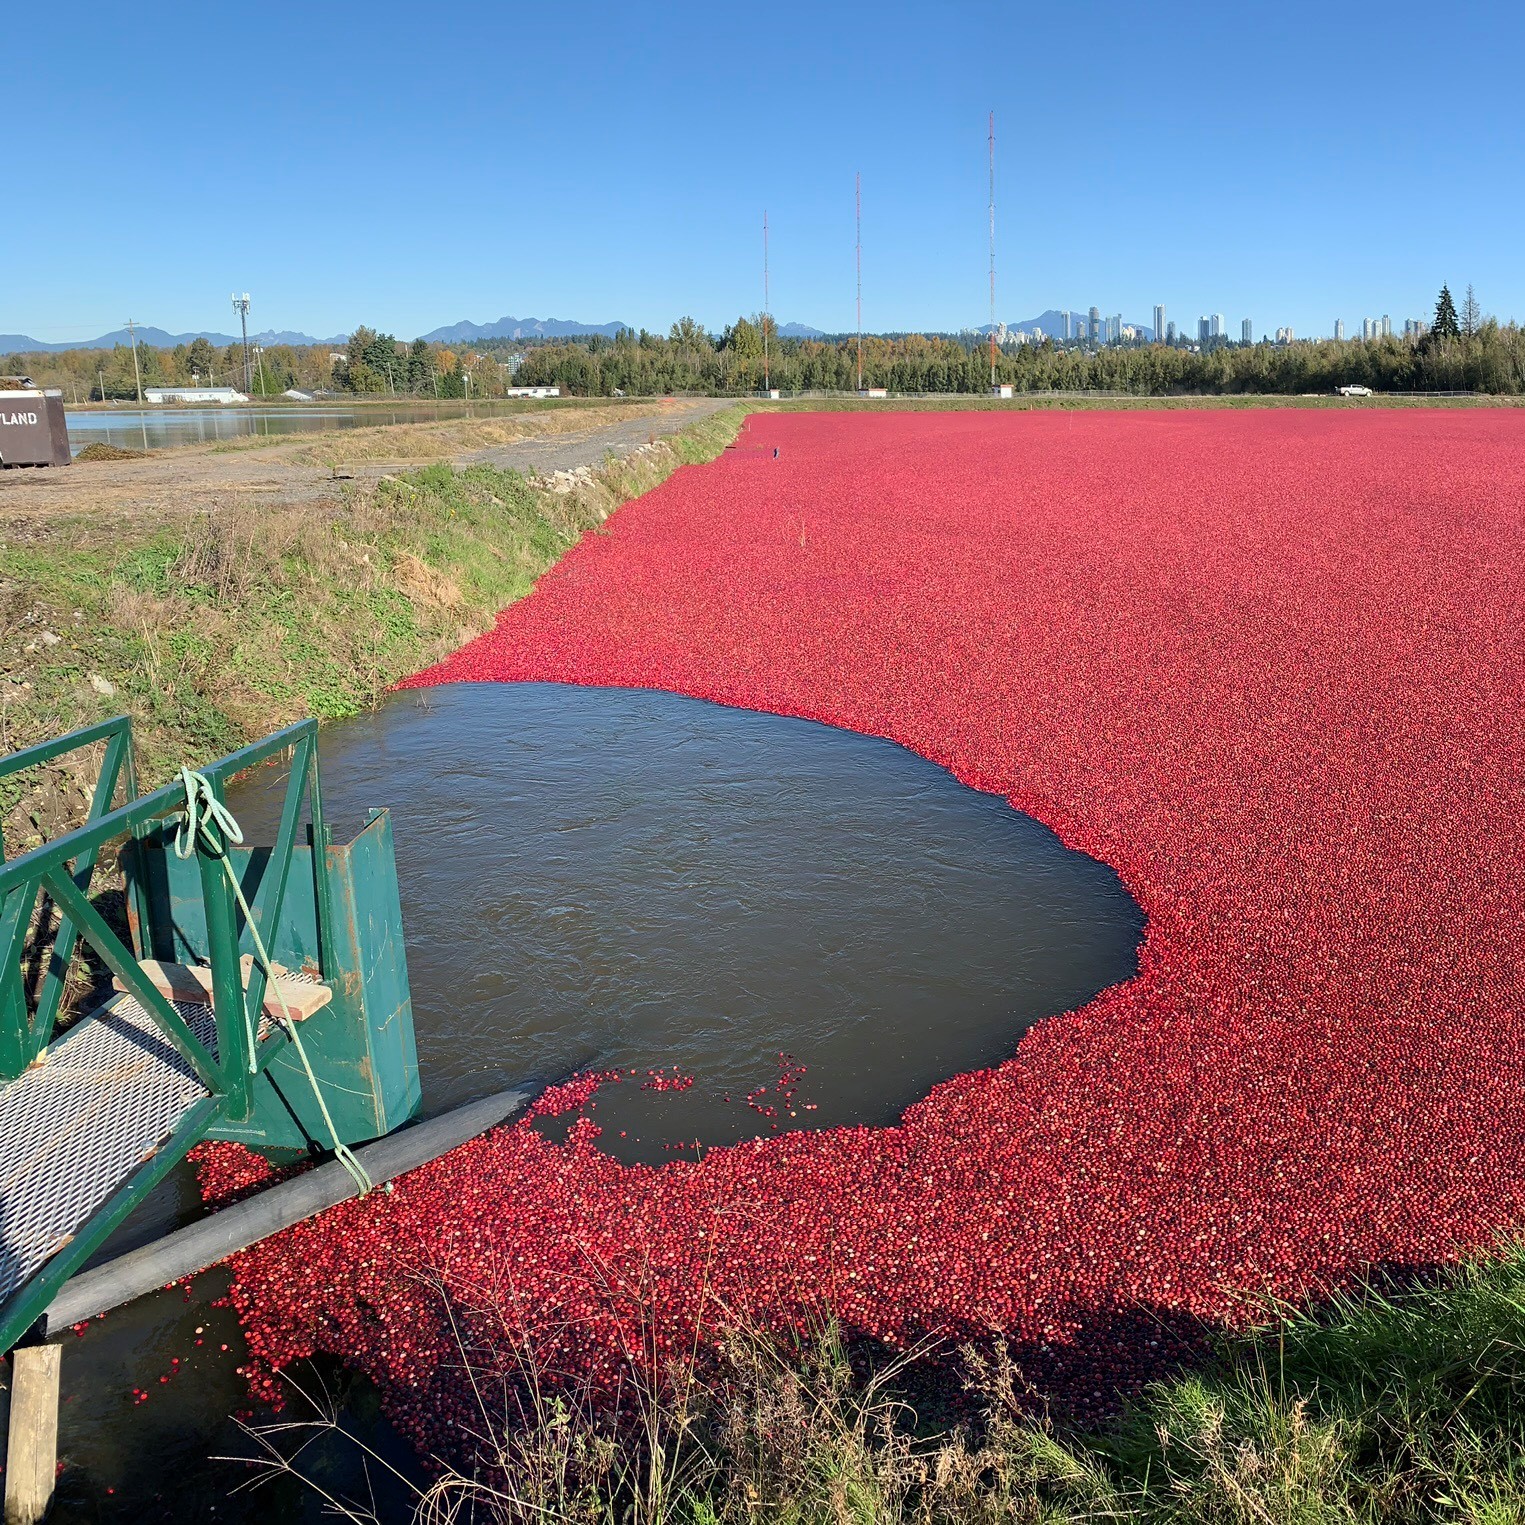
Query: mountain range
pixel 16 344
pixel 464 332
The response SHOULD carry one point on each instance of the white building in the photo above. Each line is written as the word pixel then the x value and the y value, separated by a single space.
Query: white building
pixel 532 391
pixel 193 394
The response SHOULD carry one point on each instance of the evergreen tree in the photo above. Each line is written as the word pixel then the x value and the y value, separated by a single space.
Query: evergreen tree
pixel 1445 325
pixel 1471 313
pixel 201 358
pixel 420 367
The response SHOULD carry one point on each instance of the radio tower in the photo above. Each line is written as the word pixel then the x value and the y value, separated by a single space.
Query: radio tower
pixel 767 385
pixel 858 213
pixel 992 251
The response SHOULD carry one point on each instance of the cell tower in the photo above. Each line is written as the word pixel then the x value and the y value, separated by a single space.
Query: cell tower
pixel 767 384
pixel 241 307
pixel 858 214
pixel 992 250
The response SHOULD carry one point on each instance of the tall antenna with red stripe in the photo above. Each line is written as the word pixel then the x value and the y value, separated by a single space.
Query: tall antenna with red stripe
pixel 767 384
pixel 858 212
pixel 992 250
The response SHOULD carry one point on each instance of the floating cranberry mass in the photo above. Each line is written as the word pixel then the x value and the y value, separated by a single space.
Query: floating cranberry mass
pixel 1270 665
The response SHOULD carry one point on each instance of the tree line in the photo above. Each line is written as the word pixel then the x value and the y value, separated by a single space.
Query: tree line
pixel 1463 351
pixel 1458 353
pixel 370 363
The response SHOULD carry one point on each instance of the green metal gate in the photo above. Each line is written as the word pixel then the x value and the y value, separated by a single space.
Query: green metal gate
pixel 92 1118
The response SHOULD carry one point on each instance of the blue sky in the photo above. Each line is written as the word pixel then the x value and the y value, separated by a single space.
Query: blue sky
pixel 409 165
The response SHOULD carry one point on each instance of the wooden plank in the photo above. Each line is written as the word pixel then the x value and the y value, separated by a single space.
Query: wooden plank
pixel 31 1459
pixel 192 982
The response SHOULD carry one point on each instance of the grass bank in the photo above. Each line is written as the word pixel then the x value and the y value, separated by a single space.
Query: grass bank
pixel 212 628
pixel 1404 1407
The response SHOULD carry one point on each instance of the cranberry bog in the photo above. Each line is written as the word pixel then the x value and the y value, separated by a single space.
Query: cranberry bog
pixel 1266 665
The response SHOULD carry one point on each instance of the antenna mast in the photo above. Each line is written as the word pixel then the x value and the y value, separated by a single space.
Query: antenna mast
pixel 992 250
pixel 767 385
pixel 858 213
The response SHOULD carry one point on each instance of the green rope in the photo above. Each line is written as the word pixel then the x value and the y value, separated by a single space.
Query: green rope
pixel 205 816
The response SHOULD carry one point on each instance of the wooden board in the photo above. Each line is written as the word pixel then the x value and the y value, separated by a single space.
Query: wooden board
pixel 193 982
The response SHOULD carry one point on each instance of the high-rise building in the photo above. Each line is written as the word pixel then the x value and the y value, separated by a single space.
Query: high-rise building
pixel 1339 328
pixel 1218 325
pixel 1095 328
pixel 1115 327
pixel 1387 326
pixel 1170 333
pixel 1064 319
pixel 1368 330
pixel 1246 332
pixel 1159 322
pixel 1204 330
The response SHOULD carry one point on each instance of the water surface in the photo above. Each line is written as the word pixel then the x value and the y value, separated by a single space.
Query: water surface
pixel 167 428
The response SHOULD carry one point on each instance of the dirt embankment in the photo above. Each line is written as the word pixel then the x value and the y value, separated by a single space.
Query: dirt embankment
pixel 308 468
pixel 218 595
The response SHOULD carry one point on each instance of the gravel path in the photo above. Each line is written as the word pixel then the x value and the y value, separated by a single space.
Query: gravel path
pixel 566 452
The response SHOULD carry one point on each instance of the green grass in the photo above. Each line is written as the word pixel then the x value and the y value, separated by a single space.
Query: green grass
pixel 214 629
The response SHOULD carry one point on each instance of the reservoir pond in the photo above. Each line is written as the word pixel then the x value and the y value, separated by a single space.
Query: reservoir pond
pixel 170 428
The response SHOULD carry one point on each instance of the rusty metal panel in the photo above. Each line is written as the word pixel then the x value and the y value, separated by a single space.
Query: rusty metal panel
pixel 33 429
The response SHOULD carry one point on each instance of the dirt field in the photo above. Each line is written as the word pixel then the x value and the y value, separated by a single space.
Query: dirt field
pixel 308 468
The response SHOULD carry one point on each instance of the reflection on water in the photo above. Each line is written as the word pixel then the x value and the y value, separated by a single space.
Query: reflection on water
pixel 168 428
pixel 619 878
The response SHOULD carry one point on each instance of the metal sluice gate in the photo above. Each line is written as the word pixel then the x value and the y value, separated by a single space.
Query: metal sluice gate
pixel 94 1112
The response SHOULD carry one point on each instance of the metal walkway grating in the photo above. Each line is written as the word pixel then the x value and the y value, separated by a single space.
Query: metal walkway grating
pixel 75 1128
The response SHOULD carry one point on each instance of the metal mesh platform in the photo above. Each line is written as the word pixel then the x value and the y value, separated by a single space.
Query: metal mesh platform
pixel 75 1128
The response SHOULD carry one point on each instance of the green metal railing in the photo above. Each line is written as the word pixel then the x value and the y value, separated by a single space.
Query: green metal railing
pixel 24 1035
pixel 65 867
pixel 63 870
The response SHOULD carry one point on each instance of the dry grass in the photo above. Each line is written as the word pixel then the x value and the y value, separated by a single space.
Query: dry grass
pixel 1384 1408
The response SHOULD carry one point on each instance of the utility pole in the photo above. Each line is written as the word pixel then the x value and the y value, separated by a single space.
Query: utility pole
pixel 101 376
pixel 767 384
pixel 137 375
pixel 241 307
pixel 858 215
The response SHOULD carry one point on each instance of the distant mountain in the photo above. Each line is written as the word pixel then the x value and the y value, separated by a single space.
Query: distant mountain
pixel 800 331
pixel 15 344
pixel 521 328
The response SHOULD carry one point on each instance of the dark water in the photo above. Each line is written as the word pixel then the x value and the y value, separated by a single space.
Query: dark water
pixel 614 878
pixel 621 879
